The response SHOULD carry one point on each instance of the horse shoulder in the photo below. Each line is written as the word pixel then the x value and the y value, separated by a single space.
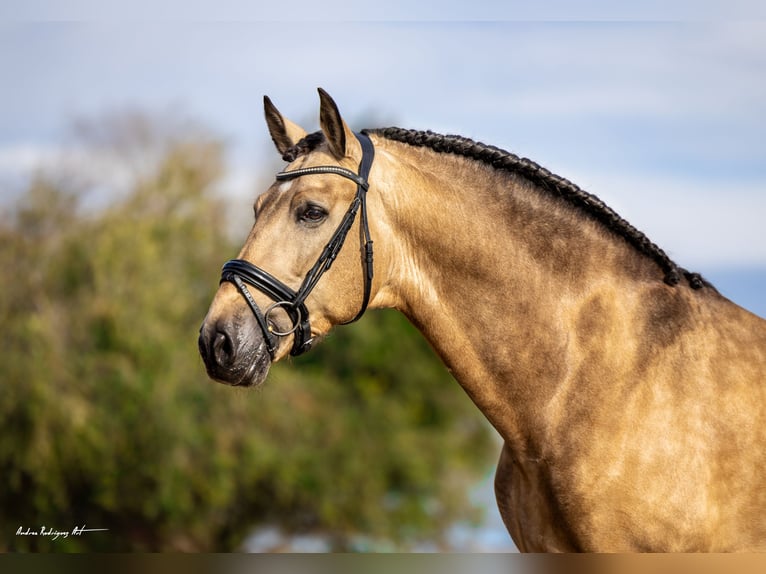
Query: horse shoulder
pixel 659 448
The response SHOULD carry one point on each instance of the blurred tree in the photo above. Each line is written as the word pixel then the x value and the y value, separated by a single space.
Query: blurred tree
pixel 107 418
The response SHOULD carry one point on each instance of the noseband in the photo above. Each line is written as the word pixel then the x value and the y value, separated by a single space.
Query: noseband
pixel 242 273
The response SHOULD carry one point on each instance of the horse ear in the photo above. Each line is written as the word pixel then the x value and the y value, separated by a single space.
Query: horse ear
pixel 284 132
pixel 335 129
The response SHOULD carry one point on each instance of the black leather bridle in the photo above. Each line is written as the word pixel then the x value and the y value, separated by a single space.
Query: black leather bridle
pixel 242 273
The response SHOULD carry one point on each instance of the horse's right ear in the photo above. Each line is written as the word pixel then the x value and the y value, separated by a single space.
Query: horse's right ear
pixel 284 132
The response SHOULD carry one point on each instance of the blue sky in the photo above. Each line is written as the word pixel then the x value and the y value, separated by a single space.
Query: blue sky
pixel 658 108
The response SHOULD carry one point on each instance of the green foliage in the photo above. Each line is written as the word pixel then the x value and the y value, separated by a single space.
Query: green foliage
pixel 108 420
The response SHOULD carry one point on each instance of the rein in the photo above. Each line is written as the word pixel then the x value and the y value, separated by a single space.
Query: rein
pixel 242 273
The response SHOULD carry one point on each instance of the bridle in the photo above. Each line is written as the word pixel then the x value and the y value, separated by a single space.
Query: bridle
pixel 242 273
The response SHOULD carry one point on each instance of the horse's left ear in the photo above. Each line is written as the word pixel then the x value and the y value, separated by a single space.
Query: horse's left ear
pixel 284 133
pixel 337 133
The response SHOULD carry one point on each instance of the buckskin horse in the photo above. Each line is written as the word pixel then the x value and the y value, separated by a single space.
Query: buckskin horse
pixel 630 394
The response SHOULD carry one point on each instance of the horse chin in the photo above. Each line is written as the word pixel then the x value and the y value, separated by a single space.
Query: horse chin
pixel 251 370
pixel 256 373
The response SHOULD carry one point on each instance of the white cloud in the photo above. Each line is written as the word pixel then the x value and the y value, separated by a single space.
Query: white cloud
pixel 102 172
pixel 19 160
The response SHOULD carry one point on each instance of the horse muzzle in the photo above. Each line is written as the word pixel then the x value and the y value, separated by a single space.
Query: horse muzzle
pixel 234 351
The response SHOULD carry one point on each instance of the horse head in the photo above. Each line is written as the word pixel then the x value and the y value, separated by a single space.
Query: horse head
pixel 271 302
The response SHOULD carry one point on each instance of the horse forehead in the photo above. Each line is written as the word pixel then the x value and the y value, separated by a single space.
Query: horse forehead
pixel 328 185
pixel 267 200
pixel 281 193
pixel 323 184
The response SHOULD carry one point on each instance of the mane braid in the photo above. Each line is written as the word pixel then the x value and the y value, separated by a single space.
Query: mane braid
pixel 554 184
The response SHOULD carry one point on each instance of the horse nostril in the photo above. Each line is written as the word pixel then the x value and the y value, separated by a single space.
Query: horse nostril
pixel 223 349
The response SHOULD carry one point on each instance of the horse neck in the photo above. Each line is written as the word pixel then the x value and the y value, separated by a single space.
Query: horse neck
pixel 493 272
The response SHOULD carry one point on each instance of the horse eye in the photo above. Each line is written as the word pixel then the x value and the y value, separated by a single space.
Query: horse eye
pixel 312 214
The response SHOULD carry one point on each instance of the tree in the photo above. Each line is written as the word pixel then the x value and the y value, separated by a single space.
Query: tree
pixel 108 420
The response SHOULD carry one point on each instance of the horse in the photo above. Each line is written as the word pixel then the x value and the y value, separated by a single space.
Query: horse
pixel 630 395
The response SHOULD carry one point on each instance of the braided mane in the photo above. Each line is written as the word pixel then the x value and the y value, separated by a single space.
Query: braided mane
pixel 558 186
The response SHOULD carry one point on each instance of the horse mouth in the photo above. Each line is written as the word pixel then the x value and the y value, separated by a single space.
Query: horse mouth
pixel 246 379
pixel 247 367
pixel 253 375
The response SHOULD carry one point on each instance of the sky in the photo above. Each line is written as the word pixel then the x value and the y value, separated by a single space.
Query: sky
pixel 659 108
pixel 662 118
